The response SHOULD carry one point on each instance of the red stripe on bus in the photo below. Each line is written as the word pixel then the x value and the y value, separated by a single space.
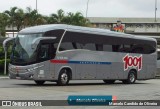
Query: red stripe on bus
pixel 59 61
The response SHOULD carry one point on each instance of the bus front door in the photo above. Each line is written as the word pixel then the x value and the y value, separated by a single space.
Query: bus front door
pixel 44 61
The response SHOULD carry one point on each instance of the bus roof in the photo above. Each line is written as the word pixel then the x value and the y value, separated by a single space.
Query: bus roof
pixel 49 27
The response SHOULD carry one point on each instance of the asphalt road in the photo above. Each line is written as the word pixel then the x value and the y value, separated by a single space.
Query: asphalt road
pixel 28 90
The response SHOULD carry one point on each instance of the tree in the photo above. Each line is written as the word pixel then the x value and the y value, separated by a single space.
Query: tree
pixel 76 19
pixel 11 14
pixel 16 17
pixel 32 18
pixel 40 20
pixel 71 18
pixel 3 23
pixel 19 19
pixel 57 18
pixel 29 17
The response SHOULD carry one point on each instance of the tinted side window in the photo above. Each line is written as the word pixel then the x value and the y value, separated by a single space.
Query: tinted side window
pixel 115 48
pixel 54 33
pixel 99 47
pixel 148 49
pixel 125 48
pixel 107 48
pixel 76 40
pixel 137 49
pixel 89 46
pixel 44 52
pixel 79 46
pixel 66 46
pixel 143 49
pixel 70 46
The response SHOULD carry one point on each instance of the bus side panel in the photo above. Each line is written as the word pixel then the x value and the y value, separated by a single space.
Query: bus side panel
pixel 114 70
pixel 117 71
pixel 103 69
pixel 150 66
pixel 150 71
pixel 88 64
pixel 81 62
pixel 103 72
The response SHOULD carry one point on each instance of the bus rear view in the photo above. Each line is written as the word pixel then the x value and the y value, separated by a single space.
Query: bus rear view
pixel 60 53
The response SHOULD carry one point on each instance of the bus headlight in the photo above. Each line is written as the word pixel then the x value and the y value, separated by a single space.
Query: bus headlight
pixel 30 70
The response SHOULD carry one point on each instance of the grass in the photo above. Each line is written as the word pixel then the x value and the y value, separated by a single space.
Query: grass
pixel 2 73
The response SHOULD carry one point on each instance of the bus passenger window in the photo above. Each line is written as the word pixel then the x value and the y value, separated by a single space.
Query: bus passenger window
pixel 89 46
pixel 107 48
pixel 99 47
pixel 115 48
pixel 137 48
pixel 79 46
pixel 124 48
pixel 66 46
pixel 74 45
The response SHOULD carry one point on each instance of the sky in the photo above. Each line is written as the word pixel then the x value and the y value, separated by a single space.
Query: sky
pixel 96 8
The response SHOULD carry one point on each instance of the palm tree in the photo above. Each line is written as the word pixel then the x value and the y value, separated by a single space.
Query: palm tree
pixel 71 18
pixel 19 19
pixel 32 18
pixel 11 14
pixel 40 20
pixel 16 17
pixel 77 19
pixel 57 18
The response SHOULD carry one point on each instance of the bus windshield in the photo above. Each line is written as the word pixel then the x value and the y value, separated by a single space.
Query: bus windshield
pixel 22 53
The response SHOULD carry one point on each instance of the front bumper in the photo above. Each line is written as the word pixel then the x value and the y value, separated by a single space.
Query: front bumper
pixel 21 72
pixel 23 76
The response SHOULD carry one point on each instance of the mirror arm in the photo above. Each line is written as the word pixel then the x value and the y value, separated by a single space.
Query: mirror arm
pixel 6 41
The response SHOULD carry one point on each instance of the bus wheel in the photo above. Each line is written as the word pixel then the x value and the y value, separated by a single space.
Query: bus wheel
pixel 39 82
pixel 131 78
pixel 109 81
pixel 63 78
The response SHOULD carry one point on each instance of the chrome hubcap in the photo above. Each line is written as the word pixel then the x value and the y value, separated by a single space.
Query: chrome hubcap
pixel 64 78
pixel 132 77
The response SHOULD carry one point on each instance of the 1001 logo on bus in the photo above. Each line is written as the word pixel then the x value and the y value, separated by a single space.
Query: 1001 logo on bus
pixel 132 61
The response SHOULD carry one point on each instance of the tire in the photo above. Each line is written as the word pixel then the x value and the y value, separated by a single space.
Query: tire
pixel 39 82
pixel 109 81
pixel 131 78
pixel 63 78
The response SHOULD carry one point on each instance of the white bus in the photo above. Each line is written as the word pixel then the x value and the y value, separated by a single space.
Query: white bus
pixel 60 53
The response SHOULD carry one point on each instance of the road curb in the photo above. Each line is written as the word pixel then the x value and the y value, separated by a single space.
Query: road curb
pixel 5 77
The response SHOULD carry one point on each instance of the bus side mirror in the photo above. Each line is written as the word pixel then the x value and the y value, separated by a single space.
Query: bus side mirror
pixel 36 41
pixel 6 41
